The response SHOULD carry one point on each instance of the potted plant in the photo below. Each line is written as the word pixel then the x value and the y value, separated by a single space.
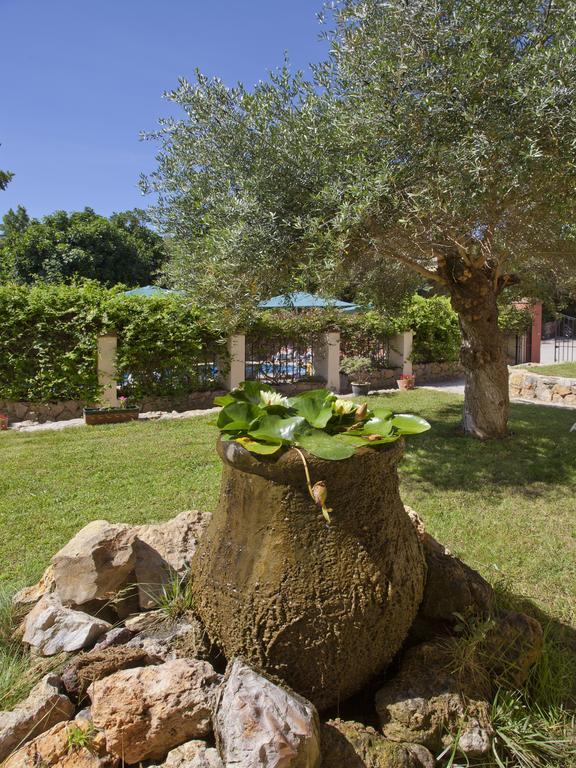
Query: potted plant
pixel 310 567
pixel 3 421
pixel 406 381
pixel 357 369
pixel 111 414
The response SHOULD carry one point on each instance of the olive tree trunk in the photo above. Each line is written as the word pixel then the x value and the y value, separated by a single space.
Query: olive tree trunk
pixel 322 607
pixel 483 357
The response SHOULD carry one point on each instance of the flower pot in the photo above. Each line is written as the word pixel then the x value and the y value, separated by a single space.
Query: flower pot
pixel 3 422
pixel 360 389
pixel 94 416
pixel 408 383
pixel 322 607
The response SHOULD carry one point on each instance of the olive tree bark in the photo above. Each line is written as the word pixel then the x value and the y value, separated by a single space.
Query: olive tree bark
pixel 474 296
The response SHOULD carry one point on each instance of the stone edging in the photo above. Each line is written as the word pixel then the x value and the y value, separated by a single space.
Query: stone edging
pixel 529 385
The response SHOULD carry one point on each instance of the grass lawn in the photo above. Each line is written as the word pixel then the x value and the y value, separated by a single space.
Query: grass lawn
pixel 508 508
pixel 556 369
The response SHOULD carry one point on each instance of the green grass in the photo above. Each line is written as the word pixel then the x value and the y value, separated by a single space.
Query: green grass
pixel 568 370
pixel 507 507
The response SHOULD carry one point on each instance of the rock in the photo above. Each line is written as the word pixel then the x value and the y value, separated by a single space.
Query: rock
pixel 45 706
pixel 116 636
pixel 51 628
pixel 193 754
pixel 95 564
pixel 350 744
pixel 561 389
pixel 147 711
pixel 511 648
pixel 98 663
pixel 260 725
pixel 167 639
pixel 451 586
pixel 29 595
pixel 426 704
pixel 165 550
pixel 55 748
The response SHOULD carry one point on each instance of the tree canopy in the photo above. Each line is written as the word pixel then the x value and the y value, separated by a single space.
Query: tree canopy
pixel 437 140
pixel 63 246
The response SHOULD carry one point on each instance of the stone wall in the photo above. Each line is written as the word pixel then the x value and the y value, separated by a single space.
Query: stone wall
pixel 42 412
pixel 424 372
pixel 529 385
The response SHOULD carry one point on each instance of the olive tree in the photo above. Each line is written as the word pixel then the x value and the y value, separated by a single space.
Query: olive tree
pixel 437 140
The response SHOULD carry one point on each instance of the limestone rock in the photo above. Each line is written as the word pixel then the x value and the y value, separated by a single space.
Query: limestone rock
pixel 147 711
pixel 165 550
pixel 260 725
pixel 193 754
pixel 451 586
pixel 511 648
pixel 350 744
pixel 29 595
pixel 44 707
pixel 98 663
pixel 51 628
pixel 425 704
pixel 166 639
pixel 116 636
pixel 53 749
pixel 95 564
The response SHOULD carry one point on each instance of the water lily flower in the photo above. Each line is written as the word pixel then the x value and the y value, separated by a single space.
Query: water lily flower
pixel 344 407
pixel 271 399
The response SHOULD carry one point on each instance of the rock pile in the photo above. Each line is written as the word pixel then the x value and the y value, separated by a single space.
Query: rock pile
pixel 144 686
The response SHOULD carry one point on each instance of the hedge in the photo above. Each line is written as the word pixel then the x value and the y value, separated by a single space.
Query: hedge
pixel 169 347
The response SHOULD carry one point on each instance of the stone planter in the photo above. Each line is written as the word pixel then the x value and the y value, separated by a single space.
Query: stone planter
pixel 322 607
pixel 94 416
pixel 408 382
pixel 360 389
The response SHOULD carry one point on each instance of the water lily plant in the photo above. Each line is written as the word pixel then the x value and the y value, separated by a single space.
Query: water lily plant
pixel 319 422
pixel 263 421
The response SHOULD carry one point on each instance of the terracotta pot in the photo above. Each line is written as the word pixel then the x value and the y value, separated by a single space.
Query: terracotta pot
pixel 406 383
pixel 320 607
pixel 3 422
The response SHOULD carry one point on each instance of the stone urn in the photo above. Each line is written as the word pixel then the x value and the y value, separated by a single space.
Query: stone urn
pixel 321 607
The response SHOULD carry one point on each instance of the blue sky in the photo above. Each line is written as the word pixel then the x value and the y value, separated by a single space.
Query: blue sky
pixel 79 80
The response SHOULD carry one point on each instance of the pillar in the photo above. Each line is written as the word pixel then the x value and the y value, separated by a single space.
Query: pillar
pixel 234 369
pixel 401 351
pixel 326 354
pixel 107 375
pixel 536 332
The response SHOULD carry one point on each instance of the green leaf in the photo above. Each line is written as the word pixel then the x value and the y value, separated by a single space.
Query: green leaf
pixel 250 390
pixel 410 424
pixel 224 400
pixel 313 393
pixel 377 426
pixel 263 449
pixel 273 427
pixel 238 413
pixel 324 446
pixel 314 409
pixel 362 440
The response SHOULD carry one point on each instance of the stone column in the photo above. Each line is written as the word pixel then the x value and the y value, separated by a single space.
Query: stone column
pixel 236 364
pixel 107 374
pixel 401 351
pixel 326 354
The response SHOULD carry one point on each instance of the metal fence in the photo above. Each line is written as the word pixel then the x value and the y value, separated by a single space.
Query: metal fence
pixel 279 360
pixel 377 350
pixel 565 339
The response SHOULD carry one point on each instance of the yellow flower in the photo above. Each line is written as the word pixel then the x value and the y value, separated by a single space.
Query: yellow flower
pixel 343 407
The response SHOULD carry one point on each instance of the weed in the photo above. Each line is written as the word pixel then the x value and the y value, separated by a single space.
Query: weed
pixel 174 598
pixel 80 738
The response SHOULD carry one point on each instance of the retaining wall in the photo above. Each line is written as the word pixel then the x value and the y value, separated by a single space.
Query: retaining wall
pixel 529 385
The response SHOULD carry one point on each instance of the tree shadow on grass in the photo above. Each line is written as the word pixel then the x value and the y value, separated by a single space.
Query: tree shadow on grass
pixel 540 452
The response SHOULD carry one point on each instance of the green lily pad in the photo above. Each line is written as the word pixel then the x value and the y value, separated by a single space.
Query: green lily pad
pixel 238 413
pixel 314 409
pixel 273 427
pixel 263 449
pixel 410 424
pixel 324 446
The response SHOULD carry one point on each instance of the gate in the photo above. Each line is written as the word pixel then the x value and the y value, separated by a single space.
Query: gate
pixel 565 339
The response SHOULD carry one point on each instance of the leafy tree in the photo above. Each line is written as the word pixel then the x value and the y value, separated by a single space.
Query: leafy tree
pixel 5 178
pixel 436 140
pixel 63 246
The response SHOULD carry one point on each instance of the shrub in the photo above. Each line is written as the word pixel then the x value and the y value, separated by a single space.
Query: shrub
pixel 436 329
